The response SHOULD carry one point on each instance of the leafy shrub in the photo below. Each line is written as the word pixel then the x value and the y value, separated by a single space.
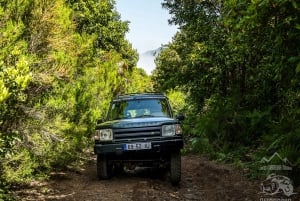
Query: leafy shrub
pixel 177 100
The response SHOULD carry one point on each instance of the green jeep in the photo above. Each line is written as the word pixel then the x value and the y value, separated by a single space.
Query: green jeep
pixel 139 130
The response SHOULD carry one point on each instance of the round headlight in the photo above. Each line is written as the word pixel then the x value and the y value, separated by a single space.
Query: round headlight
pixel 105 134
pixel 168 130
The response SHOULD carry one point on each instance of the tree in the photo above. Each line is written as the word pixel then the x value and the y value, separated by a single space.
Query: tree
pixel 239 61
pixel 99 18
pixel 60 64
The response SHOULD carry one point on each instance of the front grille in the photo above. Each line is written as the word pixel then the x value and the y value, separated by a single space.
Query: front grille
pixel 136 133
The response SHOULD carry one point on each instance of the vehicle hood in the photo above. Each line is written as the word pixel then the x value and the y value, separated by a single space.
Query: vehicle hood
pixel 136 122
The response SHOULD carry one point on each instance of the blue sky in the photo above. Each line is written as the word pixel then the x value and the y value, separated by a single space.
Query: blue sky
pixel 149 27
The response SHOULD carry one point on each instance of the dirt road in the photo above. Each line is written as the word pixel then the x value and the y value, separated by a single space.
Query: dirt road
pixel 201 180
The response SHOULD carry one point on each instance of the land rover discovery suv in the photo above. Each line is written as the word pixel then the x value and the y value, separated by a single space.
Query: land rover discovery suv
pixel 139 130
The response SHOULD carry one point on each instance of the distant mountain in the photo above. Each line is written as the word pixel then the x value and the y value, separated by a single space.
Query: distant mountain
pixel 155 52
pixel 146 60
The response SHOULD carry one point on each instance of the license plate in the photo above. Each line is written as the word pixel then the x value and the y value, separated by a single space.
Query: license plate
pixel 137 146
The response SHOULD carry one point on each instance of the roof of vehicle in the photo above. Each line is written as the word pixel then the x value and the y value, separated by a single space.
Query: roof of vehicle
pixel 139 96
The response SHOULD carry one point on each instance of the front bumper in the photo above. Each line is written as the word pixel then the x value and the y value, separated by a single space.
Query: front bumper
pixel 157 146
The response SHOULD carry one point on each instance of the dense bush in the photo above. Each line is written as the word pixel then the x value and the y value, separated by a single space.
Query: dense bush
pixel 238 62
pixel 60 64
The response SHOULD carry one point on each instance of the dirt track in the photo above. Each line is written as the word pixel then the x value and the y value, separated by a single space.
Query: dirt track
pixel 201 180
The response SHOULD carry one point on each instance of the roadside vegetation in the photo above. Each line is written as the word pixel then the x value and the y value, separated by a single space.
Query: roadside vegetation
pixel 238 64
pixel 233 69
pixel 60 64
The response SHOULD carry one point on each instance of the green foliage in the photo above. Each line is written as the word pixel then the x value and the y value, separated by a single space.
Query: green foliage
pixel 61 62
pixel 101 19
pixel 238 61
pixel 177 100
pixel 163 75
pixel 139 82
pixel 14 68
pixel 19 166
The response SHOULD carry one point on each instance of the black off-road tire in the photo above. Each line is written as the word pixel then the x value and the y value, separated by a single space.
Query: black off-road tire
pixel 175 168
pixel 103 168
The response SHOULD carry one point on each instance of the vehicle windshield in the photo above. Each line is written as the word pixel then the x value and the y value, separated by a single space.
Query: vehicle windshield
pixel 139 109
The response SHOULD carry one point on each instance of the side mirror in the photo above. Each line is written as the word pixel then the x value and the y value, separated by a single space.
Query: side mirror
pixel 180 117
pixel 99 121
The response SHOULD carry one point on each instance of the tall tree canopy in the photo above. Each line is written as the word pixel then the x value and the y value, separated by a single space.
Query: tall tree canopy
pixel 60 64
pixel 239 62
